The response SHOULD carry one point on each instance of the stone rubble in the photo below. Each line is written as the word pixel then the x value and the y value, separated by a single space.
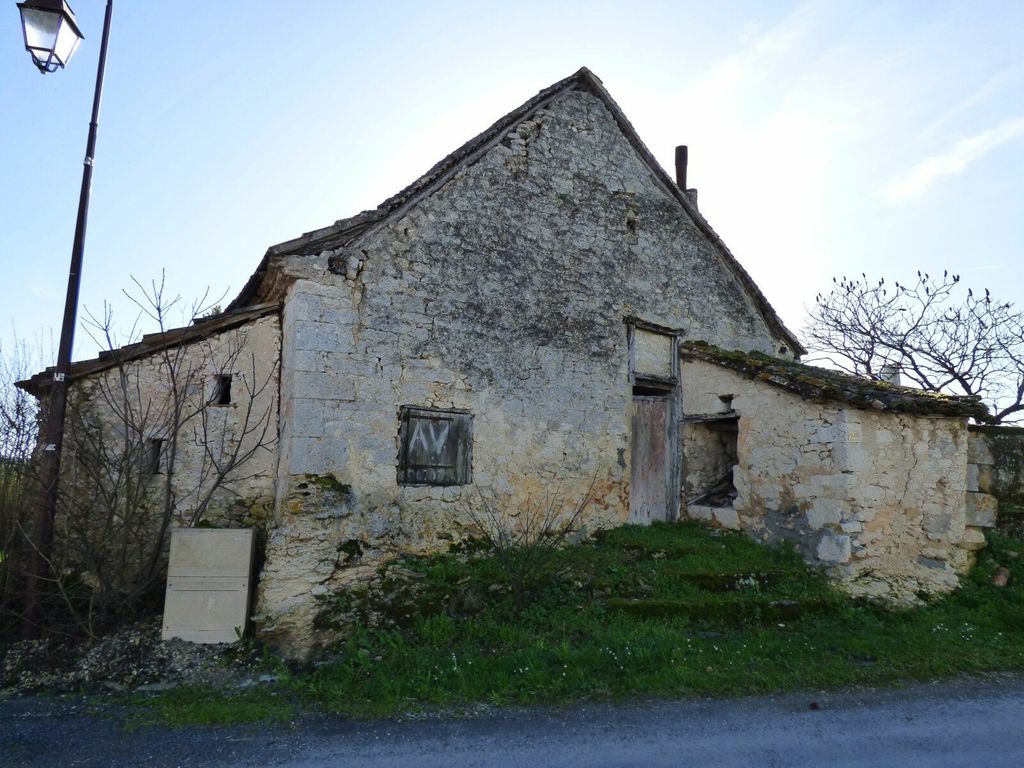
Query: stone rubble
pixel 131 658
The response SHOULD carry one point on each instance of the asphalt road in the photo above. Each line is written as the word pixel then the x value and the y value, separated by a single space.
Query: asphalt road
pixel 947 724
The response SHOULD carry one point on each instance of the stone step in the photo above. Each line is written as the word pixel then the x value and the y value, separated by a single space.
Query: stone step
pixel 735 611
pixel 733 581
pixel 673 552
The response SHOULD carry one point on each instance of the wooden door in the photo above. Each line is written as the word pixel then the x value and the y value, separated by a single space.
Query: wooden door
pixel 649 496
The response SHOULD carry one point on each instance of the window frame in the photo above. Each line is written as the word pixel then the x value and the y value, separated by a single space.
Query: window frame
pixel 634 324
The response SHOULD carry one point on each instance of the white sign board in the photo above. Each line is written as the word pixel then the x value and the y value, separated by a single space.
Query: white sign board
pixel 208 579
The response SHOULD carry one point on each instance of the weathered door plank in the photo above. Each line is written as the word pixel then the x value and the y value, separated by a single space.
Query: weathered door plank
pixel 651 460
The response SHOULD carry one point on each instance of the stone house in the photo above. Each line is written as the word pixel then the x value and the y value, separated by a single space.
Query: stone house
pixel 519 319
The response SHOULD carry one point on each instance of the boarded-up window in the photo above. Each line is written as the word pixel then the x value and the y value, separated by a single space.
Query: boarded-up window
pixel 653 354
pixel 434 447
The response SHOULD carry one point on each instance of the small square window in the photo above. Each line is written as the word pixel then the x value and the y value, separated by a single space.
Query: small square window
pixel 435 447
pixel 221 389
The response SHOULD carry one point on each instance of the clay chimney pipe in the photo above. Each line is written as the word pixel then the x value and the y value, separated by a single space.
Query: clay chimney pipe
pixel 681 155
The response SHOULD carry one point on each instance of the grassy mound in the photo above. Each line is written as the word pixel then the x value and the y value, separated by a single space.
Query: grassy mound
pixel 669 610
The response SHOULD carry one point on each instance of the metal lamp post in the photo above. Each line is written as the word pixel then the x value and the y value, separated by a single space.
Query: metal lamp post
pixel 52 36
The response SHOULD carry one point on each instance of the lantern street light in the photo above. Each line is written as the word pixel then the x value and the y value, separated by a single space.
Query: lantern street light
pixel 52 36
pixel 51 33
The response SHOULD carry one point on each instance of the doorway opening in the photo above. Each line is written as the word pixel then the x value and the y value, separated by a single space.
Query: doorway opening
pixel 710 453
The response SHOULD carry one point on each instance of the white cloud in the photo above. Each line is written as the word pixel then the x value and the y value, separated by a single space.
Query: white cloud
pixel 1000 81
pixel 955 161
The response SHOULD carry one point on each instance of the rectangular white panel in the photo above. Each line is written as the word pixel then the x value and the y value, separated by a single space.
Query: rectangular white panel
pixel 208 578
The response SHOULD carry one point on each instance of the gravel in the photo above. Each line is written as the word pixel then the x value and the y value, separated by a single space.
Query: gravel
pixel 130 658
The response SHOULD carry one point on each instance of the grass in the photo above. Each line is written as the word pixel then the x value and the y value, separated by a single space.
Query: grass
pixel 665 611
pixel 200 706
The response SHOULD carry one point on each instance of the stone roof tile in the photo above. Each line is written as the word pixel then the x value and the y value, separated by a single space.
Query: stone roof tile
pixel 823 384
pixel 201 328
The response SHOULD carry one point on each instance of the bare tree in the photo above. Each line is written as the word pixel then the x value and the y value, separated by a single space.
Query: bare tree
pixel 937 336
pixel 149 446
pixel 17 438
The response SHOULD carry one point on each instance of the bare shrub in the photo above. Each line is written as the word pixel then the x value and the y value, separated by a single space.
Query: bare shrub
pixel 524 536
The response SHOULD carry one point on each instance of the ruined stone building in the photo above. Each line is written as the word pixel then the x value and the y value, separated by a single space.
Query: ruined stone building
pixel 547 308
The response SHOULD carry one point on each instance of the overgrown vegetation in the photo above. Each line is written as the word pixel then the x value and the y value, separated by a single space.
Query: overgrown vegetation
pixel 670 610
pixel 146 448
pixel 147 445
pixel 524 540
pixel 17 478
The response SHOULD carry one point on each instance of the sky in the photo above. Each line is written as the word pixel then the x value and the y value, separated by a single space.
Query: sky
pixel 826 138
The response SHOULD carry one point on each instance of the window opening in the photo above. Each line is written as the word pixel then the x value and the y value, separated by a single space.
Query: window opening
pixel 151 453
pixel 222 389
pixel 647 390
pixel 711 456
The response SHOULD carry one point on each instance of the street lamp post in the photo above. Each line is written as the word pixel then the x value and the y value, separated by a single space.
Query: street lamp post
pixel 52 36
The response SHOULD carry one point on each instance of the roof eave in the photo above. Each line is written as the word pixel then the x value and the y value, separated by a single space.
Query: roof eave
pixel 772 371
pixel 39 384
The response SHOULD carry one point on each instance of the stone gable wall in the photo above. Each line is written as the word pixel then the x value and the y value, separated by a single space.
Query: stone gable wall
pixel 878 499
pixel 503 293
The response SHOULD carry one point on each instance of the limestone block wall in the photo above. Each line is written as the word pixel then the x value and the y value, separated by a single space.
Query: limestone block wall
pixel 878 499
pixel 503 294
pixel 995 478
pixel 249 354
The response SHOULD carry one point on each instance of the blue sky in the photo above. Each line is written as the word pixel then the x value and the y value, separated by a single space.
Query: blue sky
pixel 826 138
